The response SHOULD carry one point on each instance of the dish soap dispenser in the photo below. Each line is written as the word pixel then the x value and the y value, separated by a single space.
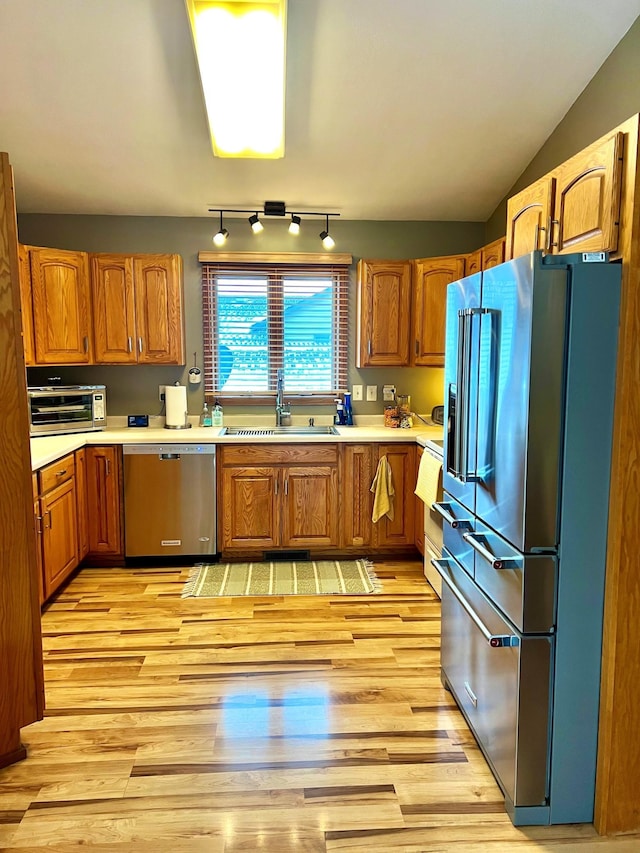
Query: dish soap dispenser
pixel 216 417
pixel 205 416
pixel 348 411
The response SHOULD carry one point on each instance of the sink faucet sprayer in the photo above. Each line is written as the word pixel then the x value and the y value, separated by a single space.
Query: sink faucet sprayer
pixel 283 411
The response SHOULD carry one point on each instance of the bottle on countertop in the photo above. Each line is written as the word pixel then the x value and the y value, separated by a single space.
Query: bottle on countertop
pixel 339 417
pixel 348 411
pixel 217 415
pixel 205 416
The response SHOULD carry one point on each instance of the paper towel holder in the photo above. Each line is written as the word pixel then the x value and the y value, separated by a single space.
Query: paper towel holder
pixel 186 424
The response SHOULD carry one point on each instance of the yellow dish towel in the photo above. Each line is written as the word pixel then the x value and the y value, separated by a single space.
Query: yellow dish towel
pixel 382 488
pixel 429 481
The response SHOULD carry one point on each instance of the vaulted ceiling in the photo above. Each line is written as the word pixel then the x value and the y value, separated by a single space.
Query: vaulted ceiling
pixel 396 109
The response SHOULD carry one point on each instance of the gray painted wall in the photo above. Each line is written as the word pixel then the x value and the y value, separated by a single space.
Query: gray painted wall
pixel 611 97
pixel 134 389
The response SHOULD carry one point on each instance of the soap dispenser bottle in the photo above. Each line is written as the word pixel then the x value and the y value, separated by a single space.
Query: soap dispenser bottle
pixel 216 416
pixel 205 416
pixel 348 411
pixel 339 418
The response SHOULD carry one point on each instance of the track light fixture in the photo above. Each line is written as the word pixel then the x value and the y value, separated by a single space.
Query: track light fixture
pixel 275 209
pixel 256 225
pixel 294 225
pixel 220 238
pixel 327 240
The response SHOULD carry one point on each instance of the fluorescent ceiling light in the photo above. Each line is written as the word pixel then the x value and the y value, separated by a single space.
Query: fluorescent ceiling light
pixel 240 48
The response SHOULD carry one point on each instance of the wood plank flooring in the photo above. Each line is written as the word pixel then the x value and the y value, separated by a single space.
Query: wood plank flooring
pixel 273 724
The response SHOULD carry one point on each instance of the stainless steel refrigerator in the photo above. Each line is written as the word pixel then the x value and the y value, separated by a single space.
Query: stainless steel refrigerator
pixel 529 393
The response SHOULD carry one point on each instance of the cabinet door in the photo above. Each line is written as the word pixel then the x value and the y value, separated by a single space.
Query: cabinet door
pixel 587 204
pixel 473 262
pixel 61 306
pixel 249 507
pixel 431 277
pixel 24 268
pixel 400 531
pixel 159 309
pixel 81 503
pixel 310 516
pixel 492 254
pixel 59 535
pixel 418 521
pixel 104 500
pixel 384 313
pixel 529 219
pixel 113 309
pixel 358 472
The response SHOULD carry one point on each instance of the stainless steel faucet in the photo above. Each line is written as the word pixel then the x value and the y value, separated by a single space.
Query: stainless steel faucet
pixel 283 410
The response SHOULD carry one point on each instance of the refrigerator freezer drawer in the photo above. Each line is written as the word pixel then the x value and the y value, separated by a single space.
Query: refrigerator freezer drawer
pixel 503 690
pixel 522 586
pixel 457 521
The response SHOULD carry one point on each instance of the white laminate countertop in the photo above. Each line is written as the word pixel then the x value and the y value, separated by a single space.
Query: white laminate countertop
pixel 46 449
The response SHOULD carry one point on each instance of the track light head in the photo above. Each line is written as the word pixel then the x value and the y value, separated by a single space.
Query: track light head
pixel 256 225
pixel 294 225
pixel 327 240
pixel 220 238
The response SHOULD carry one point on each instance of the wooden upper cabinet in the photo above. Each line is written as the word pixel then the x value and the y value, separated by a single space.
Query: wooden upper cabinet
pixel 431 277
pixel 473 262
pixel 113 309
pixel 61 306
pixel 587 199
pixel 24 266
pixel 529 218
pixel 384 313
pixel 492 255
pixel 159 310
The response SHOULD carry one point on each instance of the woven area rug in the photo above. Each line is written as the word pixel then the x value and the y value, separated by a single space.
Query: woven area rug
pixel 312 577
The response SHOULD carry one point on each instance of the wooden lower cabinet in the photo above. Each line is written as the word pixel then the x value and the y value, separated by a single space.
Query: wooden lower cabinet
pixel 418 508
pixel 359 468
pixel 399 532
pixel 82 509
pixel 249 507
pixel 104 501
pixel 56 523
pixel 278 496
pixel 59 535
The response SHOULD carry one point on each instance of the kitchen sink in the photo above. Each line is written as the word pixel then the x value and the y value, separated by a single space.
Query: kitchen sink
pixel 258 432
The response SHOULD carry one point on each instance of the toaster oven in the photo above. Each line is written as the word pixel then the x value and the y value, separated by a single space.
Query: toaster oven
pixel 59 409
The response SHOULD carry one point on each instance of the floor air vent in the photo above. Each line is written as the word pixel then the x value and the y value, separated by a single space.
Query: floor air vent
pixel 275 556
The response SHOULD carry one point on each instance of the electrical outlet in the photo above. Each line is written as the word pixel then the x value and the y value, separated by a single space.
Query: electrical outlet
pixel 356 393
pixel 388 393
pixel 372 393
pixel 161 392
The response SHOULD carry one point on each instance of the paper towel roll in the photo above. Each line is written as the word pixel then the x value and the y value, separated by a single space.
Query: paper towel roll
pixel 175 398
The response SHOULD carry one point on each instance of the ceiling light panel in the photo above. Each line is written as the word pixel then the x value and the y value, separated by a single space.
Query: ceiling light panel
pixel 240 48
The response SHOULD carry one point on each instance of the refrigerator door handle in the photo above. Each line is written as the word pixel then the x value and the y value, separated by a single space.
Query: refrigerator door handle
pixel 494 562
pixel 442 509
pixel 467 476
pixel 496 641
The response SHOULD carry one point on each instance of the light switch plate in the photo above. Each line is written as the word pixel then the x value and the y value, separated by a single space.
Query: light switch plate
pixel 372 393
pixel 356 392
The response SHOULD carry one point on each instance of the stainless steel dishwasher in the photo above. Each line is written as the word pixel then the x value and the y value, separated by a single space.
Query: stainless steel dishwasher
pixel 169 499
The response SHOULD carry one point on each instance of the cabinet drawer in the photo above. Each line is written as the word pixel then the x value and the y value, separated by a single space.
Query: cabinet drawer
pixel 56 473
pixel 279 454
pixel 503 691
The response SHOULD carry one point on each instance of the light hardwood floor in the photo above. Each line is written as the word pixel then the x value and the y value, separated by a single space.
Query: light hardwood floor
pixel 274 724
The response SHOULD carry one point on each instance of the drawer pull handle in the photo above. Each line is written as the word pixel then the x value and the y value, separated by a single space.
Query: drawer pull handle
pixel 494 562
pixel 471 694
pixel 496 641
pixel 61 473
pixel 443 510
